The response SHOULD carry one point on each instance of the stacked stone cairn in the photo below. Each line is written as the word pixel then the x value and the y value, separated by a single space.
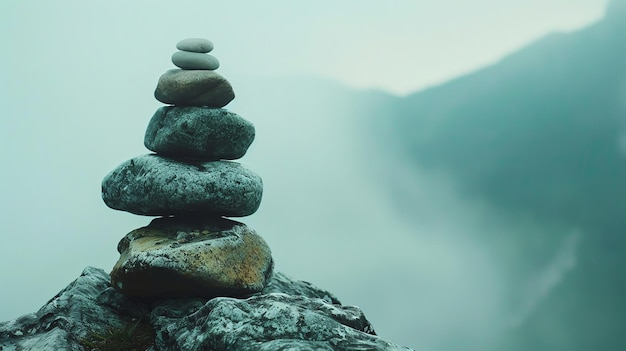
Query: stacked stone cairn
pixel 192 250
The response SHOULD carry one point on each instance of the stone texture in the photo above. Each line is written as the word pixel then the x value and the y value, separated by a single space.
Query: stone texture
pixel 194 60
pixel 87 305
pixel 281 283
pixel 157 186
pixel 178 257
pixel 195 45
pixel 267 322
pixel 194 88
pixel 199 133
pixel 295 316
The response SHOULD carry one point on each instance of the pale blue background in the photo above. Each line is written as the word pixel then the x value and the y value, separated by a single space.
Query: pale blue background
pixel 76 84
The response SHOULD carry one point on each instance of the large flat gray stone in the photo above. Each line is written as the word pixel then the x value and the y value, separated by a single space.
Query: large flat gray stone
pixel 198 132
pixel 152 185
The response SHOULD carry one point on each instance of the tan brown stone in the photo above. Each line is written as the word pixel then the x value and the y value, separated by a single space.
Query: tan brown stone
pixel 179 257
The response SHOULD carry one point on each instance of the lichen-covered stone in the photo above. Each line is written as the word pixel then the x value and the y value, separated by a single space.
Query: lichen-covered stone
pixel 295 316
pixel 157 186
pixel 281 283
pixel 273 321
pixel 87 306
pixel 199 133
pixel 177 257
pixel 194 88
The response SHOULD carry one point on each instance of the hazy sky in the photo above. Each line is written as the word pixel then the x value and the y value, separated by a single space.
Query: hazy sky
pixel 399 46
pixel 76 90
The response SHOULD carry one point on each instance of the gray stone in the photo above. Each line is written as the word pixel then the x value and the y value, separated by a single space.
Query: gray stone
pixel 195 45
pixel 194 60
pixel 281 283
pixel 198 133
pixel 194 88
pixel 272 321
pixel 152 185
pixel 178 257
pixel 88 305
pixel 266 321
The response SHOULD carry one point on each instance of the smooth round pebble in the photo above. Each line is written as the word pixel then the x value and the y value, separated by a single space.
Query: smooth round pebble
pixel 195 45
pixel 194 60
pixel 194 88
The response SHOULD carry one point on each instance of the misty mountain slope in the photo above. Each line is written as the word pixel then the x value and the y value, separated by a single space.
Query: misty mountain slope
pixel 327 170
pixel 540 135
pixel 548 119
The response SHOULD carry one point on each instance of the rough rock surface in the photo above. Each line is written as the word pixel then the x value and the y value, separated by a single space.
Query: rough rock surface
pixel 298 317
pixel 87 305
pixel 178 257
pixel 194 88
pixel 157 186
pixel 194 60
pixel 199 133
pixel 273 321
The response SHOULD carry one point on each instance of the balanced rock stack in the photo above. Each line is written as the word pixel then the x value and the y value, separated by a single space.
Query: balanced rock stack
pixel 192 250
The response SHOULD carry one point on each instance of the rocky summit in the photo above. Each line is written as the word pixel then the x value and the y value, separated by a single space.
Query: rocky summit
pixel 153 185
pixel 177 257
pixel 192 279
pixel 194 88
pixel 199 133
pixel 89 314
pixel 274 321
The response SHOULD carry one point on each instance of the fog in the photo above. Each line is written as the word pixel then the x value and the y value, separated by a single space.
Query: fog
pixel 76 89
